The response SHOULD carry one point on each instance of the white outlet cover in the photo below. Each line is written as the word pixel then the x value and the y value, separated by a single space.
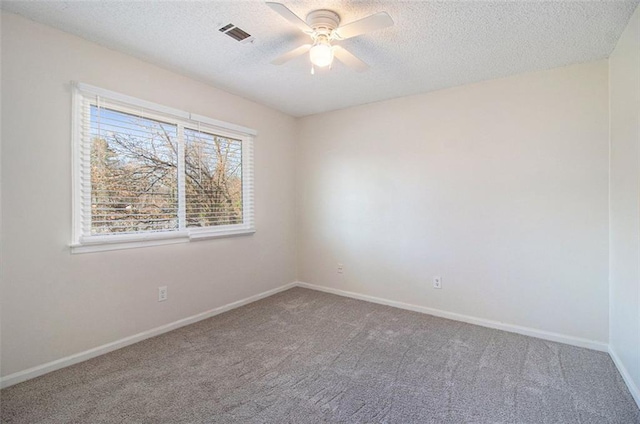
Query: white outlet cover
pixel 162 293
pixel 437 282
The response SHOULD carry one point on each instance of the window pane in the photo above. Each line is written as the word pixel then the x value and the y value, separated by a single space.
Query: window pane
pixel 213 180
pixel 134 173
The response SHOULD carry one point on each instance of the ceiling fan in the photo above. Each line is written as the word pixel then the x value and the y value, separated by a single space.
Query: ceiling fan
pixel 323 26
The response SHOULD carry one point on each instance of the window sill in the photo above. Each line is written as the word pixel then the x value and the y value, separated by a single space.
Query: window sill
pixel 204 235
pixel 106 244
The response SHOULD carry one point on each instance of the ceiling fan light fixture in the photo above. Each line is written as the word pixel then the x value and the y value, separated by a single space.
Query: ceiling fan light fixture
pixel 321 54
pixel 323 26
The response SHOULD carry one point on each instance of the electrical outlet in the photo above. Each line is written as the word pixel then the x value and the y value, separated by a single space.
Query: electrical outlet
pixel 162 293
pixel 340 268
pixel 437 282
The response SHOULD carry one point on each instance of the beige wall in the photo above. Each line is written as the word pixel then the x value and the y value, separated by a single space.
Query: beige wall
pixel 55 304
pixel 624 84
pixel 500 187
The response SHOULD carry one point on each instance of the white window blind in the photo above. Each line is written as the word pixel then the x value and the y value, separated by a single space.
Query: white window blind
pixel 213 179
pixel 145 172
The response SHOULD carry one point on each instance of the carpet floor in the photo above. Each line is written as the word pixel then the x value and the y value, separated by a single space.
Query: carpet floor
pixel 303 356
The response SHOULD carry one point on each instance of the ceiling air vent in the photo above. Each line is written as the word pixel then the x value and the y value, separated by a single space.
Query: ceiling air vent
pixel 236 33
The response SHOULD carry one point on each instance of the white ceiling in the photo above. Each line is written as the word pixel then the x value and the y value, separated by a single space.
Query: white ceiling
pixel 433 45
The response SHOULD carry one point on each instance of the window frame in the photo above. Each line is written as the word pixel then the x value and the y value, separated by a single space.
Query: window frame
pixel 81 239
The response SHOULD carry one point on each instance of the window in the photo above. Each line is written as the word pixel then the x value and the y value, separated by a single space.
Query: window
pixel 147 174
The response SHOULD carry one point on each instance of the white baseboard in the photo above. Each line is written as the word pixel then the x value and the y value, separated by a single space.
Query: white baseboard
pixel 39 370
pixel 527 331
pixel 633 388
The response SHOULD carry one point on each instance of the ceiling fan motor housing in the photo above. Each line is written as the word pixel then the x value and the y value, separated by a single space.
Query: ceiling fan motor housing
pixel 323 21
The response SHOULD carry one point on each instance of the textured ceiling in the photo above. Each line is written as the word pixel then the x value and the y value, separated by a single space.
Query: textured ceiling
pixel 433 45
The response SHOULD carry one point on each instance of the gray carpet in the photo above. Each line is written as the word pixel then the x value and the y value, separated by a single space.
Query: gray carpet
pixel 303 356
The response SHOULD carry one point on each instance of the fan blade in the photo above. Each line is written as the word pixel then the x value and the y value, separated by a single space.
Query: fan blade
pixel 286 13
pixel 370 23
pixel 293 53
pixel 349 59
